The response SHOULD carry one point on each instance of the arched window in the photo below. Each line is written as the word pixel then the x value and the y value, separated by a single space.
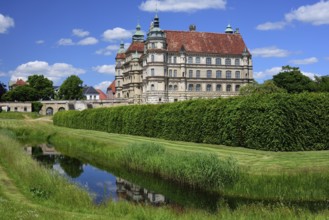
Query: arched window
pixel 218 74
pixel 170 73
pixel 237 88
pixel 198 87
pixel 209 88
pixel 190 87
pixel 190 60
pixel 208 61
pixel 190 73
pixel 152 87
pixel 237 62
pixel 49 111
pixel 198 74
pixel 209 74
pixel 175 87
pixel 227 61
pixel 228 88
pixel 218 61
pixel 175 73
pixel 237 74
pixel 152 58
pixel 228 74
pixel 218 87
pixel 197 60
pixel 170 87
pixel 152 72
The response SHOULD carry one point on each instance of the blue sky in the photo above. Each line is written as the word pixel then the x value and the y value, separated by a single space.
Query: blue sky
pixel 58 38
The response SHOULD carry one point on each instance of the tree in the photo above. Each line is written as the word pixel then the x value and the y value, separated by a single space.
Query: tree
pixel 42 85
pixel 71 89
pixel 22 94
pixel 292 80
pixel 3 89
pixel 265 88
pixel 322 83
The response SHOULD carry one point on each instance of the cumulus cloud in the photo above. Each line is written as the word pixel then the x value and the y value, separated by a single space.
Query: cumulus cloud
pixel 268 73
pixel 40 42
pixel 106 69
pixel 103 85
pixel 80 33
pixel 310 75
pixel 305 61
pixel 107 51
pixel 116 34
pixel 88 41
pixel 271 26
pixel 55 72
pixel 269 52
pixel 6 22
pixel 181 5
pixel 316 14
pixel 65 42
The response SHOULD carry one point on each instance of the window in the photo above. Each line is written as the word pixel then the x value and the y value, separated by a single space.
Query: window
pixel 169 59
pixel 94 97
pixel 218 87
pixel 170 73
pixel 152 87
pixel 237 62
pixel 175 100
pixel 118 72
pixel 175 87
pixel 209 74
pixel 198 74
pixel 118 95
pixel 237 74
pixel 228 74
pixel 190 60
pixel 218 74
pixel 237 88
pixel 152 58
pixel 153 45
pixel 152 72
pixel 175 73
pixel 190 73
pixel 175 59
pixel 228 88
pixel 170 87
pixel 90 97
pixel 209 88
pixel 159 99
pixel 197 60
pixel 227 61
pixel 198 87
pixel 218 61
pixel 25 109
pixel 208 61
pixel 190 87
pixel 118 83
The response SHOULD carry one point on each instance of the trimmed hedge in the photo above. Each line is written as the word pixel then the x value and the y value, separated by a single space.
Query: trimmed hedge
pixel 276 122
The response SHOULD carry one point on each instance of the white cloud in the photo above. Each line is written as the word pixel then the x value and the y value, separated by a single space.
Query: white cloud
pixel 88 41
pixel 103 85
pixel 5 23
pixel 55 72
pixel 271 26
pixel 268 73
pixel 305 61
pixel 40 42
pixel 269 52
pixel 65 42
pixel 316 14
pixel 80 33
pixel 106 69
pixel 310 75
pixel 116 34
pixel 181 5
pixel 107 51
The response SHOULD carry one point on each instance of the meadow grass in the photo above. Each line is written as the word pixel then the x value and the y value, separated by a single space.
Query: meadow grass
pixel 19 115
pixel 50 200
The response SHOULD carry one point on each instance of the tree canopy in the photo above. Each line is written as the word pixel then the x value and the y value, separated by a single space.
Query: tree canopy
pixel 266 88
pixel 292 80
pixel 322 83
pixel 22 94
pixel 3 89
pixel 42 85
pixel 71 89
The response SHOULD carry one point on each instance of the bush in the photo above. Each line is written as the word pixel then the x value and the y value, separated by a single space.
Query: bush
pixel 36 106
pixel 276 122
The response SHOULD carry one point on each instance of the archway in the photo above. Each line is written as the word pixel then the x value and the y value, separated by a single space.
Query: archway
pixel 49 111
pixel 61 109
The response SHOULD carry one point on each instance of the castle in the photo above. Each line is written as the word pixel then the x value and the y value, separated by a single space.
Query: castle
pixel 172 66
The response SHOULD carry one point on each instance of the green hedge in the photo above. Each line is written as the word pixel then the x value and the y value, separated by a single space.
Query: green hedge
pixel 276 122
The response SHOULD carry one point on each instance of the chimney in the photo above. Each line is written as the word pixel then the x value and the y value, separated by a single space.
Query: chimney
pixel 192 27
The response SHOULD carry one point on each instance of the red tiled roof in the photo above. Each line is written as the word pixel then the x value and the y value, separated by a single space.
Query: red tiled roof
pixel 120 56
pixel 20 82
pixel 112 87
pixel 136 46
pixel 201 42
pixel 102 95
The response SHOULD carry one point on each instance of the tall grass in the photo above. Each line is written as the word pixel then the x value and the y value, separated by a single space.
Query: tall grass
pixel 200 170
pixel 18 115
